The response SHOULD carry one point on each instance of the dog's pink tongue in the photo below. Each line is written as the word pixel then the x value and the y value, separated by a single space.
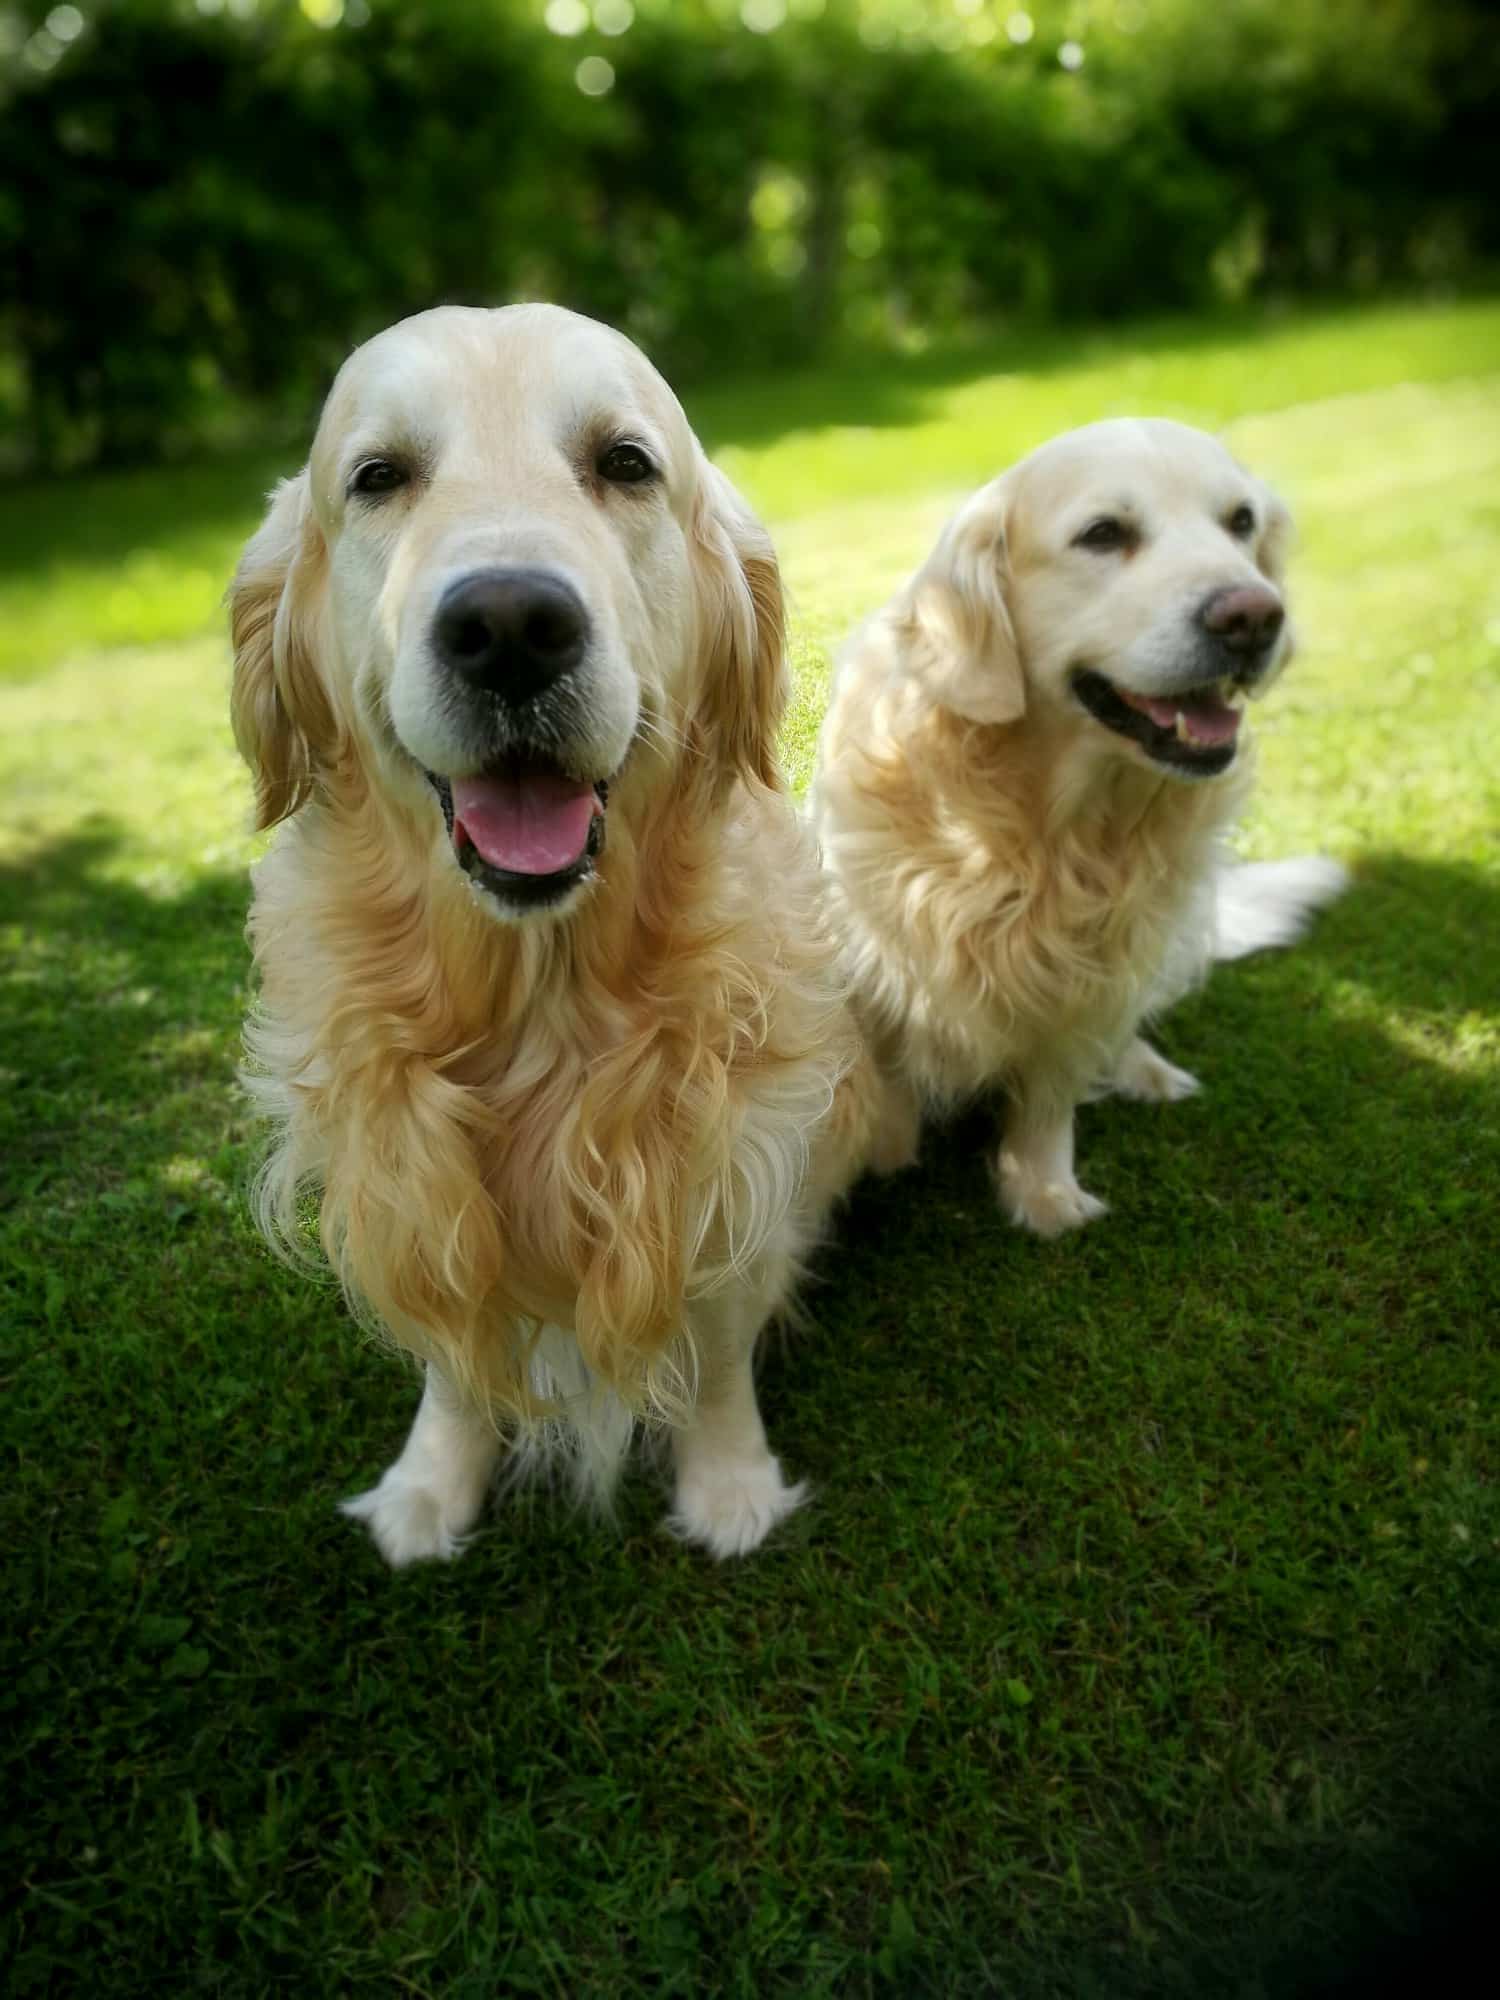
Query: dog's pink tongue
pixel 532 824
pixel 1206 718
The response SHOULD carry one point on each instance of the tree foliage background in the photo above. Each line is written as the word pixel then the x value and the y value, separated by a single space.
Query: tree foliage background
pixel 204 203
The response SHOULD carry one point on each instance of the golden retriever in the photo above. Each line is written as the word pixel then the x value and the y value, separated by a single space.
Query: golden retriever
pixel 549 1020
pixel 1030 759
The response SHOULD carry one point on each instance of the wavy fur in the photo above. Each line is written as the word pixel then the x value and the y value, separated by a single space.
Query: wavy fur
pixel 594 1125
pixel 995 930
pixel 610 1135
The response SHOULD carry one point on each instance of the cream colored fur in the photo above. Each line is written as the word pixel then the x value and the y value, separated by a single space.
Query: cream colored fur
pixel 1020 888
pixel 570 1161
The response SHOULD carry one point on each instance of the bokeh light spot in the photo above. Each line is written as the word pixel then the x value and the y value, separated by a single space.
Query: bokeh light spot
pixel 763 17
pixel 594 76
pixel 613 17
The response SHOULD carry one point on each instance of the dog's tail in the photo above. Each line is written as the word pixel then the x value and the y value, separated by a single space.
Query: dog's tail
pixel 1259 905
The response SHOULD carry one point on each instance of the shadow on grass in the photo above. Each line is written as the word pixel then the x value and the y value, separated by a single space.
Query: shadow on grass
pixel 1119 1607
pixel 1293 1302
pixel 1422 936
pixel 114 1000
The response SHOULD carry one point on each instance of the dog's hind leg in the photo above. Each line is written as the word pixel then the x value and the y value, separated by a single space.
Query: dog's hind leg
pixel 427 1502
pixel 897 1137
pixel 1145 1074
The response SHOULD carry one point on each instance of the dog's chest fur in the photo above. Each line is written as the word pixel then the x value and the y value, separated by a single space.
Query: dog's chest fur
pixel 590 1130
pixel 990 936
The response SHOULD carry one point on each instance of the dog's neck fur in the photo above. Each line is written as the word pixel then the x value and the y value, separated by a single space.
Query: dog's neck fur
pixel 475 980
pixel 1036 898
pixel 1076 797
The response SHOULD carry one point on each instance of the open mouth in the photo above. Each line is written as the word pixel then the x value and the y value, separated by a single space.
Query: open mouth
pixel 1195 731
pixel 524 830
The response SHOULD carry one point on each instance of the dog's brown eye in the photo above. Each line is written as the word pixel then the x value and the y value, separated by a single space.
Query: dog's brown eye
pixel 377 476
pixel 1104 535
pixel 1241 523
pixel 625 465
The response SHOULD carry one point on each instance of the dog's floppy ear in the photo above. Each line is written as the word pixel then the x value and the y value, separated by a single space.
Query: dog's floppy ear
pixel 280 711
pixel 739 704
pixel 1276 537
pixel 954 625
pixel 1273 551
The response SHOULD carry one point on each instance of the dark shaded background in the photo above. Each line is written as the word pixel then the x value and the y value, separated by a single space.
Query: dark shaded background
pixel 204 203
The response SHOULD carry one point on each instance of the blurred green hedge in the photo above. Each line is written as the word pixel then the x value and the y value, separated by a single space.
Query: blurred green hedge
pixel 203 203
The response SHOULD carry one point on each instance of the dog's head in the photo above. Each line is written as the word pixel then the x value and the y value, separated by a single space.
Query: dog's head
pixel 509 588
pixel 1126 576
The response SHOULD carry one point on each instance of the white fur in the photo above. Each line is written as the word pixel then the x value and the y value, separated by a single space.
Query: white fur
pixel 1262 905
pixel 591 1432
pixel 730 1490
pixel 428 1502
pixel 729 1506
pixel 1145 1074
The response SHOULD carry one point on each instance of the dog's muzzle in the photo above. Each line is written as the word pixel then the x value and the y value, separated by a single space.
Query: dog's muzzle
pixel 527 825
pixel 1193 729
pixel 510 633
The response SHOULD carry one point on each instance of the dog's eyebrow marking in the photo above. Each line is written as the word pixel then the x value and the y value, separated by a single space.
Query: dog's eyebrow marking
pixel 1103 506
pixel 621 425
pixel 414 452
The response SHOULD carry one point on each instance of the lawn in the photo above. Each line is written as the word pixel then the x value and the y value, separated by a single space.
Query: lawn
pixel 1143 1634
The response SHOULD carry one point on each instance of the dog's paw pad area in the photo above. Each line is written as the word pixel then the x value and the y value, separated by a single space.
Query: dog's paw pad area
pixel 409 1523
pixel 1153 1080
pixel 729 1509
pixel 1048 1208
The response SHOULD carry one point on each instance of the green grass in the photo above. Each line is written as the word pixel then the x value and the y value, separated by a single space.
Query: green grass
pixel 1143 1633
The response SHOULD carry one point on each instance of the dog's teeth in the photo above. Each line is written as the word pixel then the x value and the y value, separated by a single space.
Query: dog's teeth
pixel 1182 728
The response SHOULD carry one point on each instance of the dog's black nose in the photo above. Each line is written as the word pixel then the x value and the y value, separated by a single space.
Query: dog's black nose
pixel 512 632
pixel 1245 619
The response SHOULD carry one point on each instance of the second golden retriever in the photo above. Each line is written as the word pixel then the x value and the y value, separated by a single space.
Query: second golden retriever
pixel 1032 755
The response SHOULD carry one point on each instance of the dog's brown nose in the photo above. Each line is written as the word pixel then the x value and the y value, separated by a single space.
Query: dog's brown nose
pixel 1245 618
pixel 512 632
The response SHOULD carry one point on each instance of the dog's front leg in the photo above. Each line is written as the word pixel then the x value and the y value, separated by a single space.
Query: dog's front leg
pixel 1038 1188
pixel 730 1491
pixel 429 1500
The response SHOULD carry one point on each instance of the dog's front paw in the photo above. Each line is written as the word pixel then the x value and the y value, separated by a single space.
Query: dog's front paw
pixel 412 1521
pixel 731 1506
pixel 1146 1075
pixel 1046 1207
